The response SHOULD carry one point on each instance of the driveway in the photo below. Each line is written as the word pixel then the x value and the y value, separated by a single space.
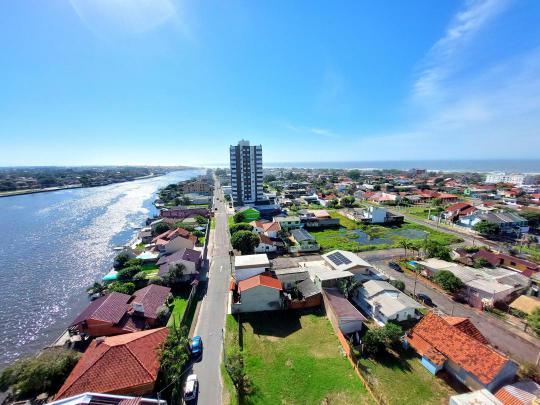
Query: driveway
pixel 504 337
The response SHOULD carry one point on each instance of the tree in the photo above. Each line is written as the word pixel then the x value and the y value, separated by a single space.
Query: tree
pixel 241 227
pixel 239 217
pixel 333 203
pixel 481 262
pixel 120 260
pixel 175 275
pixel 174 354
pixel 234 364
pixel 486 228
pixel 447 280
pixel 533 217
pixel 400 285
pixel 161 228
pixel 354 174
pixel 44 372
pixel 140 279
pixel 96 288
pixel 162 315
pixel 127 273
pixel 201 220
pixel 437 202
pixel 435 249
pixel 405 244
pixel 245 242
pixel 347 201
pixel 392 333
pixel 534 321
pixel 269 178
pixel 124 288
pixel 376 339
pixel 347 286
pixel 184 200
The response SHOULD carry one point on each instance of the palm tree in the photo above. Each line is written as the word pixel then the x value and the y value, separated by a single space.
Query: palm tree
pixel 96 289
pixel 405 244
pixel 348 286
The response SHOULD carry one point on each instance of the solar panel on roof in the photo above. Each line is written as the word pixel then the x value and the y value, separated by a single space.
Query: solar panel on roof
pixel 338 258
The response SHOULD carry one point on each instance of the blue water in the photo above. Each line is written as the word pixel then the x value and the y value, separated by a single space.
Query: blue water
pixel 53 245
pixel 364 239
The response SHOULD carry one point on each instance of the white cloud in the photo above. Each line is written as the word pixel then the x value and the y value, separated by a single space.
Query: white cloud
pixel 312 130
pixel 442 60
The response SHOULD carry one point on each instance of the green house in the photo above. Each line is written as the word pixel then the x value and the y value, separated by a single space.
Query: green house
pixel 250 214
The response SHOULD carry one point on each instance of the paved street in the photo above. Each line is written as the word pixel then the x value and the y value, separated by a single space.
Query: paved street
pixel 498 332
pixel 211 319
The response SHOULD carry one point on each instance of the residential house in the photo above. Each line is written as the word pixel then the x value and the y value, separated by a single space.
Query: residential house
pixel 341 313
pixel 174 240
pixel 266 244
pixel 525 304
pixel 461 351
pixel 180 213
pixel 117 313
pixel 303 242
pixel 479 397
pixel 123 365
pixel 95 398
pixel 374 215
pixel 317 219
pixel 289 222
pixel 145 235
pixel 343 260
pixel 324 199
pixel 270 229
pixel 291 277
pixel 485 284
pixel 256 294
pixel 383 302
pixel 324 276
pixel 250 265
pixel 458 210
pixel 189 258
pixel 509 224
pixel 384 198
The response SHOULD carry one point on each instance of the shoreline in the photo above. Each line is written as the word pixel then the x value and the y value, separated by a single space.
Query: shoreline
pixel 15 193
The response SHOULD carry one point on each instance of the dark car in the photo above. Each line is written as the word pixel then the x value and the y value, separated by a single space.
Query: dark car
pixel 395 266
pixel 196 346
pixel 425 299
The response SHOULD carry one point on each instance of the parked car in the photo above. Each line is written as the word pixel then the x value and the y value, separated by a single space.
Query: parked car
pixel 395 266
pixel 191 388
pixel 196 346
pixel 425 299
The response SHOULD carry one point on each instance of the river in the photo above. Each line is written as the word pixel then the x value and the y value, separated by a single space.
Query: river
pixel 54 245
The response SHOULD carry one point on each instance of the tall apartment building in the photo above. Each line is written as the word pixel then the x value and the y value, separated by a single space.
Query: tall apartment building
pixel 512 178
pixel 246 173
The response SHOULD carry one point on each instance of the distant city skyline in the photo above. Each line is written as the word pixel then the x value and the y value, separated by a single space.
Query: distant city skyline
pixel 166 82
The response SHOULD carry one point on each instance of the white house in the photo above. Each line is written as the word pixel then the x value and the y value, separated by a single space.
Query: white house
pixel 258 293
pixel 383 302
pixel 266 245
pixel 250 265
pixel 343 260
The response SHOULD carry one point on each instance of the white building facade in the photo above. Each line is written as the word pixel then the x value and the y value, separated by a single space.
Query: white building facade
pixel 246 173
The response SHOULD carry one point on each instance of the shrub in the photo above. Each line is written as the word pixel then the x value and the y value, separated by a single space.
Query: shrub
pixel 128 273
pixel 239 217
pixel 34 375
pixel 486 228
pixel 400 285
pixel 162 315
pixel 245 242
pixel 534 321
pixel 120 260
pixel 124 288
pixel 161 228
pixel 448 281
pixel 241 227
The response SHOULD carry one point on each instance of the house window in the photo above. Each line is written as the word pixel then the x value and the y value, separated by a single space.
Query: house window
pixel 512 263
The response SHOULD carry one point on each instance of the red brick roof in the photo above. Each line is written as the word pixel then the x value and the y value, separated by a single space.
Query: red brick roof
pixel 259 281
pixel 272 226
pixel 437 338
pixel 173 233
pixel 465 325
pixel 116 364
pixel 457 207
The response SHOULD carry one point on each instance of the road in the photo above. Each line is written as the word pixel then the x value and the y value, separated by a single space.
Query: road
pixel 498 332
pixel 211 319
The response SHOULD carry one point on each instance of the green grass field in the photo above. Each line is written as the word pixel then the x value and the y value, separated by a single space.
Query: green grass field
pixel 212 223
pixel 405 381
pixel 294 359
pixel 331 239
pixel 179 306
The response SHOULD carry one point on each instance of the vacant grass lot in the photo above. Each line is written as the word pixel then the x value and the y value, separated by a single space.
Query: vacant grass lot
pixel 331 239
pixel 295 359
pixel 179 306
pixel 405 381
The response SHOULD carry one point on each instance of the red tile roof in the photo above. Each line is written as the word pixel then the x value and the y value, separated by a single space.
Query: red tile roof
pixel 437 338
pixel 173 233
pixel 259 281
pixel 266 240
pixel 116 364
pixel 272 226
pixel 465 325
pixel 152 297
pixel 457 206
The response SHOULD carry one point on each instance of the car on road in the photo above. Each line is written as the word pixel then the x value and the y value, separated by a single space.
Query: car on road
pixel 196 346
pixel 425 299
pixel 395 266
pixel 191 388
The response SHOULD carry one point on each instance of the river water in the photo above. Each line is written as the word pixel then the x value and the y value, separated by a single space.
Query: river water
pixel 54 245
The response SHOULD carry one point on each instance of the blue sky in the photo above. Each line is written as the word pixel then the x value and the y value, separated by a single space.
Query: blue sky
pixel 175 82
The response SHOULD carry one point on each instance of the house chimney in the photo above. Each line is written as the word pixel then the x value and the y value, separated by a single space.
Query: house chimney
pixel 138 307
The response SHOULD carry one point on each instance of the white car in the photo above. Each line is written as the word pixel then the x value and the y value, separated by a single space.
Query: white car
pixel 191 388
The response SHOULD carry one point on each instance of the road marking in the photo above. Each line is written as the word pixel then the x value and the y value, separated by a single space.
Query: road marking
pixel 220 268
